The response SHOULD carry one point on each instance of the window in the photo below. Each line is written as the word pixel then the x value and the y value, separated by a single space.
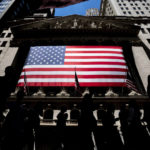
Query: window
pixel 142 12
pixel 146 8
pixel 134 8
pixel 4 44
pixel 124 4
pixel 127 8
pixel 2 35
pixel 148 30
pixel 131 4
pixel 129 12
pixel 148 41
pixel 8 35
pixel 143 4
pixel 143 31
pixel 124 12
pixel 136 4
pixel 137 12
pixel 0 51
pixel 121 8
pixel 148 4
pixel 139 8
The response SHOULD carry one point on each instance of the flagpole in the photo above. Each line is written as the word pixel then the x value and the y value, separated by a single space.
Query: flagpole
pixel 77 82
pixel 125 80
pixel 25 83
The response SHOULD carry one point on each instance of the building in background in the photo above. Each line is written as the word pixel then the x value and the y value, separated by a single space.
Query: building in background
pixel 125 8
pixel 15 10
pixel 139 9
pixel 92 12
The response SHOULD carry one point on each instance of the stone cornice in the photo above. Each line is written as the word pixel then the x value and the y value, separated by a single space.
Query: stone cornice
pixel 72 28
pixel 75 23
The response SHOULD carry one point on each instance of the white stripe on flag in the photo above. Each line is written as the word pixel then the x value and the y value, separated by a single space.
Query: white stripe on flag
pixel 73 66
pixel 72 73
pixel 70 80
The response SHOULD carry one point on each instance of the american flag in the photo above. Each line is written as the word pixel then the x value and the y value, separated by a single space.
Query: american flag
pixel 130 84
pixel 57 65
pixel 57 3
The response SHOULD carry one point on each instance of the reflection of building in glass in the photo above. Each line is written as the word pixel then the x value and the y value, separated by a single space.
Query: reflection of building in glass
pixel 92 12
pixel 4 6
pixel 14 9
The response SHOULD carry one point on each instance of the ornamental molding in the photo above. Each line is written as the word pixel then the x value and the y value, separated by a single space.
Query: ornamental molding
pixel 74 22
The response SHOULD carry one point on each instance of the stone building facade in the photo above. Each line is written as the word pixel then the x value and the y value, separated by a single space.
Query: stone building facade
pixel 138 9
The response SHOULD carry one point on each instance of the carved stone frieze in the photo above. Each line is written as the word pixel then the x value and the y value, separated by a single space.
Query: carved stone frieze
pixel 74 22
pixel 72 28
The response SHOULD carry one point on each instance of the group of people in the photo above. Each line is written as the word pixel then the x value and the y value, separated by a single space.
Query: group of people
pixel 86 122
pixel 130 117
pixel 20 126
pixel 22 123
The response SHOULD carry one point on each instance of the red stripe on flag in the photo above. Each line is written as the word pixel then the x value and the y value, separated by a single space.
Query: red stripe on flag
pixel 48 84
pixel 113 47
pixel 131 85
pixel 110 52
pixel 73 76
pixel 72 69
pixel 93 57
pixel 94 63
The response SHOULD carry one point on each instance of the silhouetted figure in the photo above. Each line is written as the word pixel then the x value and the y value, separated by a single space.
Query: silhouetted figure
pixel 134 114
pixel 101 112
pixel 108 119
pixel 36 112
pixel 148 86
pixel 146 116
pixel 87 122
pixel 136 132
pixel 31 126
pixel 7 85
pixel 123 116
pixel 62 117
pixel 61 126
pixel 13 126
pixel 75 113
pixel 48 114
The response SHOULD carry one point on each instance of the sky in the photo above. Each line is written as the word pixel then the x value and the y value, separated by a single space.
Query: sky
pixel 79 8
